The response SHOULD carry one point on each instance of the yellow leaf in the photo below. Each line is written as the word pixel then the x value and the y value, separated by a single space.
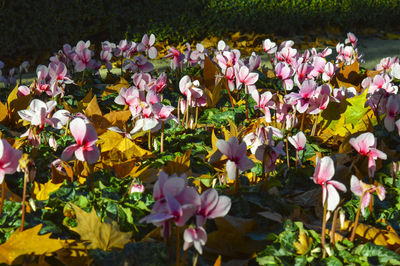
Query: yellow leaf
pixel 180 164
pixel 304 243
pixel 93 108
pixel 42 191
pixel 26 243
pixel 9 194
pixel 130 149
pixel 109 140
pixel 99 235
pixel 218 261
pixel 3 112
pixel 122 83
pixel 15 104
pixel 345 118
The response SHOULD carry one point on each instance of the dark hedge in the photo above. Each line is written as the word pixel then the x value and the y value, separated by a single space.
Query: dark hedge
pixel 33 28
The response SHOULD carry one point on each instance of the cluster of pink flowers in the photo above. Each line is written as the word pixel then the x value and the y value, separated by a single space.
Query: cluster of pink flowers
pixel 176 203
pixel 144 102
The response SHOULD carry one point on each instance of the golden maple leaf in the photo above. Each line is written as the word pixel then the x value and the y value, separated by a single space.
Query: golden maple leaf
pixel 98 234
pixel 28 242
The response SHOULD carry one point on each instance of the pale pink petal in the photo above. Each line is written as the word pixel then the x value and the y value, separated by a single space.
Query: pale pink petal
pixel 78 129
pixel 222 207
pixel 338 185
pixel 333 197
pixel 91 154
pixel 68 152
pixel 231 169
pixel 355 186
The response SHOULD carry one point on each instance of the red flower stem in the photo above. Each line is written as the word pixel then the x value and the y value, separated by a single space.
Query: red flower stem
pixel 3 193
pixel 324 224
pixel 230 96
pixel 287 151
pixel 315 125
pixel 149 140
pixel 26 176
pixel 184 257
pixel 302 121
pixel 187 114
pixel 297 158
pixel 245 101
pixel 162 137
pixel 179 110
pixel 196 117
pixel 90 177
pixel 333 228
pixel 353 233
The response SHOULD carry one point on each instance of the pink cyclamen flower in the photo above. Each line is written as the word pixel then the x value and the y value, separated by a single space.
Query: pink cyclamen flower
pixel 236 154
pixel 176 56
pixel 9 159
pixel 147 46
pixel 364 190
pixel 243 76
pixel 269 47
pixel 264 102
pixel 136 188
pixel 285 72
pixel 195 236
pixel 38 112
pixel 298 141
pixel 23 91
pixel 212 206
pixel 85 148
pixel 324 171
pixel 351 38
pixel 392 110
pixel 365 144
pixel 303 97
pixel 190 89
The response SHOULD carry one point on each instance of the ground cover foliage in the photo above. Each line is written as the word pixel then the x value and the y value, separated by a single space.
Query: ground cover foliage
pixel 177 21
pixel 219 159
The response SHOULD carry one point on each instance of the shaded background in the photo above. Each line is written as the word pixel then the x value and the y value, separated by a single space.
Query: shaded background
pixel 33 30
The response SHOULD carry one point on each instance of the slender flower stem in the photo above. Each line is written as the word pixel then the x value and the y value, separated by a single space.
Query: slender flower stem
pixel 162 137
pixel 287 151
pixel 246 102
pixel 315 125
pixel 179 109
pixel 353 233
pixel 90 177
pixel 149 140
pixel 333 228
pixel 178 246
pixel 184 257
pixel 324 223
pixel 230 96
pixel 196 117
pixel 187 114
pixel 297 158
pixel 26 177
pixel 3 193
pixel 302 121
